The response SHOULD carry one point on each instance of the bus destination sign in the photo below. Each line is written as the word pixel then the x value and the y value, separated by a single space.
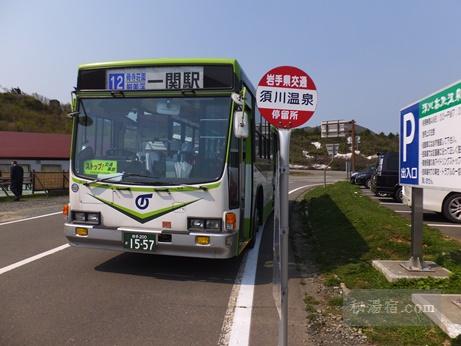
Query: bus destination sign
pixel 287 97
pixel 145 78
pixel 155 78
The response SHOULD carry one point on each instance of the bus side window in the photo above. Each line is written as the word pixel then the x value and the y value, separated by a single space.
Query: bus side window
pixel 267 133
pixel 257 143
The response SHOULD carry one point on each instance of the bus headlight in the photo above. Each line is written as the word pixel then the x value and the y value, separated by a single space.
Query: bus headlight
pixel 92 218
pixel 196 224
pixel 214 225
pixel 79 216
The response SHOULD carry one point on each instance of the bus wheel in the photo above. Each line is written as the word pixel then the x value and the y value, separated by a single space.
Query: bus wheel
pixel 256 222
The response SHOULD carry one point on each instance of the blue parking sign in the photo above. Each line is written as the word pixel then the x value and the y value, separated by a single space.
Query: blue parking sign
pixel 409 145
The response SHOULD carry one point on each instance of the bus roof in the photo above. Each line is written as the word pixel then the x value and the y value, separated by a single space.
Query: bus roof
pixel 171 61
pixel 162 61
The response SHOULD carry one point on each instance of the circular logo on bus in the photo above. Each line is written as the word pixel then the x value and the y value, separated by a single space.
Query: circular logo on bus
pixel 142 201
pixel 74 187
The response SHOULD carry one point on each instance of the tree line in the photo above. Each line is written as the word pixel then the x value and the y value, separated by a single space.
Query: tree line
pixel 32 113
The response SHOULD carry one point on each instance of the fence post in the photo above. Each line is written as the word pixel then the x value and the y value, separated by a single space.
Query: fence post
pixel 32 176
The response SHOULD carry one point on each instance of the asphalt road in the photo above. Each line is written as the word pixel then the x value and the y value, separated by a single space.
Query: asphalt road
pixel 94 297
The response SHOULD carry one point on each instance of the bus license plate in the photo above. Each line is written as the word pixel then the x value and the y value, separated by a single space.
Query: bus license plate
pixel 139 241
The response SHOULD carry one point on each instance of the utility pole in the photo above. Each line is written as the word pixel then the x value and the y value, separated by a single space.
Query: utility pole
pixel 353 146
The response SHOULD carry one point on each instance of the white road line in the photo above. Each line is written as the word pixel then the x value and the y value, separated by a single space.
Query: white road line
pixel 402 211
pixel 33 258
pixel 30 218
pixel 303 187
pixel 443 225
pixel 237 320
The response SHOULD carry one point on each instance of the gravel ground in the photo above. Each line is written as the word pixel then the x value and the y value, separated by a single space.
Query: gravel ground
pixel 324 323
pixel 28 207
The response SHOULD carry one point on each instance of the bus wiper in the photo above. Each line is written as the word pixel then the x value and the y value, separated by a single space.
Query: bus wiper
pixel 117 93
pixel 153 182
pixel 115 176
pixel 201 187
pixel 88 183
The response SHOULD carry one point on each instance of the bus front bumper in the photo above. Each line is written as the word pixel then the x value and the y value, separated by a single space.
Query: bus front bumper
pixel 221 245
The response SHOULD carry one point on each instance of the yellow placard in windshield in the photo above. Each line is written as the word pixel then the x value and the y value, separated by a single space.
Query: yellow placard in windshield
pixel 95 167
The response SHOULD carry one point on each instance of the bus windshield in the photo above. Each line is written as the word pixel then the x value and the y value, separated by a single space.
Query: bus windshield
pixel 165 141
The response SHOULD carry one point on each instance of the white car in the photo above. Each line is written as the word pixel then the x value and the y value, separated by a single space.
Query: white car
pixel 441 201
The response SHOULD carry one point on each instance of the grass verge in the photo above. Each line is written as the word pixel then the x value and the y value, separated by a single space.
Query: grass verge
pixel 347 231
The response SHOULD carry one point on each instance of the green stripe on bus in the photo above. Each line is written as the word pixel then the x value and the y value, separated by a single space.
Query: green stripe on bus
pixel 143 217
pixel 209 186
pixel 138 94
pixel 168 62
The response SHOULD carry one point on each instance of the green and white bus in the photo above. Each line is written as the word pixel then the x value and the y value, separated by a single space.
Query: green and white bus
pixel 169 156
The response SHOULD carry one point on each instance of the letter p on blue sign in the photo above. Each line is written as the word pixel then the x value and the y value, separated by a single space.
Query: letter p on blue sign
pixel 409 145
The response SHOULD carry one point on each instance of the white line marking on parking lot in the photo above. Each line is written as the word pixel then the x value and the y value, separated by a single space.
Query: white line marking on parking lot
pixel 33 258
pixel 402 211
pixel 30 218
pixel 237 320
pixel 443 225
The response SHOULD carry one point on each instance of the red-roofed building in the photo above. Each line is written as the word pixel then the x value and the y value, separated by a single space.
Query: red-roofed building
pixel 34 151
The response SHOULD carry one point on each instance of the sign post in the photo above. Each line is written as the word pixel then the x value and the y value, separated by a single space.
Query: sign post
pixel 429 155
pixel 332 150
pixel 287 98
pixel 341 128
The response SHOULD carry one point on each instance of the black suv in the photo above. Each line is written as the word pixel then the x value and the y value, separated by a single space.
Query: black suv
pixel 385 181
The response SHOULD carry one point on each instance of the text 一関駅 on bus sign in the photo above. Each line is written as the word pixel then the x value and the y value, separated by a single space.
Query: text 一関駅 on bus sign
pixel 155 78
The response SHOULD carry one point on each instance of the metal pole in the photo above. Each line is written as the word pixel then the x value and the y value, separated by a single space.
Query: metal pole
pixel 325 177
pixel 325 172
pixel 416 260
pixel 284 136
pixel 353 146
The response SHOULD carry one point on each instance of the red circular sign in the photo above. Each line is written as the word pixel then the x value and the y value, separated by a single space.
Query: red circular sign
pixel 286 97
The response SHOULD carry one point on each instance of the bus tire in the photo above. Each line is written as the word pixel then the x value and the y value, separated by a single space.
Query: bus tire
pixel 254 228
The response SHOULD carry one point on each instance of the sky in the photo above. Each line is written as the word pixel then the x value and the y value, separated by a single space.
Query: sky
pixel 368 59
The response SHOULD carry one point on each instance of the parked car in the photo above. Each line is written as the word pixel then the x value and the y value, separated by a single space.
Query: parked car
pixel 364 177
pixel 385 181
pixel 353 175
pixel 448 203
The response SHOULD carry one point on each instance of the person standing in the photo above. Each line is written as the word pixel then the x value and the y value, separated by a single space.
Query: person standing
pixel 17 177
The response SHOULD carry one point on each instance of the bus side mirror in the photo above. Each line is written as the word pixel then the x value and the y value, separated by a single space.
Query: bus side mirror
pixel 241 126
